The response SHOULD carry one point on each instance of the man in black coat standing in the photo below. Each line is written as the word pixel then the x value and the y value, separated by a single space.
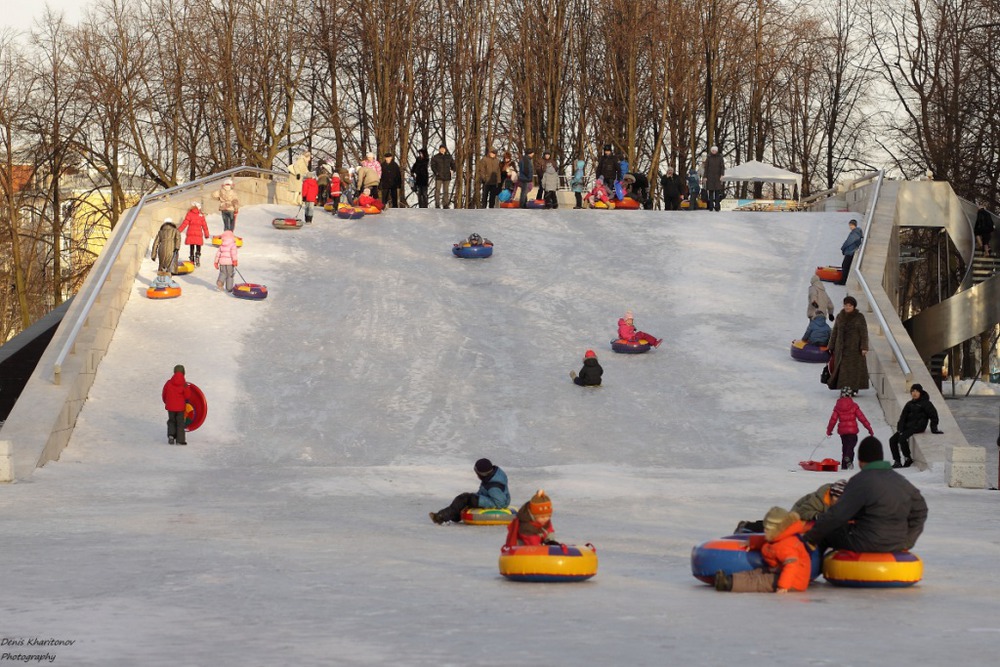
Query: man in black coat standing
pixel 391 181
pixel 672 186
pixel 607 166
pixel 879 510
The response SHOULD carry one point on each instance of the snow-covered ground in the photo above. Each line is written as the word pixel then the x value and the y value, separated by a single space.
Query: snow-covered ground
pixel 293 529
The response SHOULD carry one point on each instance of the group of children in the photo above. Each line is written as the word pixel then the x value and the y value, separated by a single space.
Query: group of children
pixel 591 372
pixel 167 245
pixel 531 526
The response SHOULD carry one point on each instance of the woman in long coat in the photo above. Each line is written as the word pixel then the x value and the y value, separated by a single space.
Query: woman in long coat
pixel 848 347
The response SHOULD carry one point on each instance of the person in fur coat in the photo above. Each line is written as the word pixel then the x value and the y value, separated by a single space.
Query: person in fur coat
pixel 848 348
pixel 533 524
pixel 787 565
pixel 846 415
pixel 166 245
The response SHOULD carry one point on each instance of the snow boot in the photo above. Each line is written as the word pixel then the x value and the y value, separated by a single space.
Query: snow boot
pixel 170 440
pixel 897 464
pixel 572 375
pixel 907 463
pixel 723 582
pixel 847 464
pixel 436 518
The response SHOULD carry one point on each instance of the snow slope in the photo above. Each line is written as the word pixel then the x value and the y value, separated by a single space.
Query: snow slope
pixel 293 529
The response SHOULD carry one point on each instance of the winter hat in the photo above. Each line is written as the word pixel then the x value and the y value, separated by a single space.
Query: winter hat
pixel 179 369
pixel 850 300
pixel 846 391
pixel 870 450
pixel 484 467
pixel 540 504
pixel 228 182
pixel 443 146
pixel 776 520
pixel 714 150
pixel 529 151
pixel 916 387
pixel 837 488
pixel 370 155
pixel 196 204
pixel 168 220
pixel 228 235
pixel 589 354
pixel 607 147
pixel 628 315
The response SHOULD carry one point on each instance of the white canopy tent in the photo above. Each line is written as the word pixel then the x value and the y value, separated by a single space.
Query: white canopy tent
pixel 758 172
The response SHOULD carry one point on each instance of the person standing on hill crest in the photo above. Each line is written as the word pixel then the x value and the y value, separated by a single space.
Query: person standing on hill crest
pixel 442 166
pixel 850 246
pixel 715 169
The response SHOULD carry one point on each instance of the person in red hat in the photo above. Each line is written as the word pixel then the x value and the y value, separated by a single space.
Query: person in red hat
pixel 492 493
pixel 533 524
pixel 590 373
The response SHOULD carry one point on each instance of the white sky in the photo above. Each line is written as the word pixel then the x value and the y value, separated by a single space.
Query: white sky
pixel 19 16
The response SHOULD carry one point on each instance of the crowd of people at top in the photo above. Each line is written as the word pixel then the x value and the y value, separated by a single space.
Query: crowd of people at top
pixel 533 175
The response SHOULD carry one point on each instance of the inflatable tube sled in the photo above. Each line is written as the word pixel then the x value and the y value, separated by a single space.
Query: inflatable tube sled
pixel 287 223
pixel 350 212
pixel 686 205
pixel 510 204
pixel 535 203
pixel 328 207
pixel 370 210
pixel 548 563
pixel 196 409
pixel 604 206
pixel 183 268
pixel 488 516
pixel 735 553
pixel 627 204
pixel 251 291
pixel 809 353
pixel 623 346
pixel 826 465
pixel 870 570
pixel 163 291
pixel 466 251
pixel 217 240
pixel 831 274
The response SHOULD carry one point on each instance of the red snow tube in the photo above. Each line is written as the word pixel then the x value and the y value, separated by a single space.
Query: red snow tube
pixel 831 274
pixel 510 204
pixel 287 223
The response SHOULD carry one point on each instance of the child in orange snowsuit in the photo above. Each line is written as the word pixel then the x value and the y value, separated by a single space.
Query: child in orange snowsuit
pixel 787 565
pixel 533 524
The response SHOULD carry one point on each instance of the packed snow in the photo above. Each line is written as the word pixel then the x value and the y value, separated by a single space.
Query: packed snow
pixel 293 528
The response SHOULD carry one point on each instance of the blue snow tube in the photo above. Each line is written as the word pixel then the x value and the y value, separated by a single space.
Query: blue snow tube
pixel 535 203
pixel 730 555
pixel 472 251
pixel 809 352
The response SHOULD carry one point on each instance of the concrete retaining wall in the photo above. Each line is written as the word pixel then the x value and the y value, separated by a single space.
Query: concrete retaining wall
pixel 42 421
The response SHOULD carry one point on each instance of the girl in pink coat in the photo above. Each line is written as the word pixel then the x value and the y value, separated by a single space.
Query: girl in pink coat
pixel 848 413
pixel 598 194
pixel 226 261
pixel 627 331
pixel 197 231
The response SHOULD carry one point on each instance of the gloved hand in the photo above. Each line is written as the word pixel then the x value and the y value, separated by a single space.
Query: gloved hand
pixel 236 264
pixel 829 434
pixel 810 547
pixel 831 317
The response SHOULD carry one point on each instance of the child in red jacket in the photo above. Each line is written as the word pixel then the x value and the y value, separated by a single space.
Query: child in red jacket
pixel 533 524
pixel 787 565
pixel 176 394
pixel 628 332
pixel 848 413
pixel 197 232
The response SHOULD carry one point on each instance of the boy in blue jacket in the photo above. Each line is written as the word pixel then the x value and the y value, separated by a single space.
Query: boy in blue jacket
pixel 818 331
pixel 492 493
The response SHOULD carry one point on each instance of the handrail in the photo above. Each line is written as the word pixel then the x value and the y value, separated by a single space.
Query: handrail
pixel 816 196
pixel 111 251
pixel 967 278
pixel 856 271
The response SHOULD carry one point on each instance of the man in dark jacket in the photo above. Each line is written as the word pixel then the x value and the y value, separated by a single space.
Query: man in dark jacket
pixel 672 186
pixel 879 511
pixel 913 419
pixel 442 166
pixel 526 174
pixel 848 248
pixel 488 174
pixel 421 179
pixel 391 181
pixel 607 166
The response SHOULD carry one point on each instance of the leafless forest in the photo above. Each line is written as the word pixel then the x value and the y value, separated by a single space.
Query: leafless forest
pixel 147 94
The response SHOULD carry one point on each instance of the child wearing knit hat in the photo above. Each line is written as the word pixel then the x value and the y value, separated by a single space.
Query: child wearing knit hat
pixel 809 507
pixel 848 414
pixel 533 523
pixel 590 373
pixel 628 332
pixel 787 565
pixel 492 493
